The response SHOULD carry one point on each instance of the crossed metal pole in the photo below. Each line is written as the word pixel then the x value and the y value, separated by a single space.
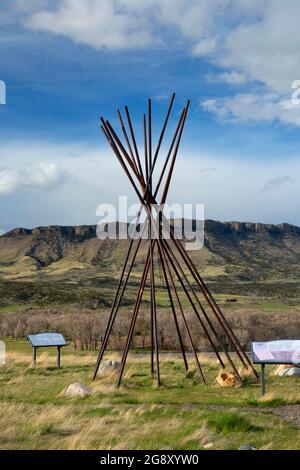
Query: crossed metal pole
pixel 173 258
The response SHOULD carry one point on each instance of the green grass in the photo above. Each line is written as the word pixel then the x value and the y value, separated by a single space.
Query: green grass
pixel 182 414
pixel 227 422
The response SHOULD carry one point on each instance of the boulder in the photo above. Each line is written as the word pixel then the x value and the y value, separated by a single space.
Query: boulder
pixel 280 370
pixel 77 390
pixel 209 445
pixel 247 447
pixel 291 372
pixel 107 367
pixel 226 379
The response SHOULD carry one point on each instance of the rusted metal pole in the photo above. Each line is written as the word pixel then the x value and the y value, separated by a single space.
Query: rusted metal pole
pixel 134 317
pixel 162 261
pixel 166 253
pixel 194 308
pixel 169 153
pixel 183 317
pixel 115 306
pixel 191 289
pixel 127 139
pixel 145 147
pixel 153 305
pixel 167 185
pixel 150 142
pixel 230 334
pixel 134 142
pixel 173 161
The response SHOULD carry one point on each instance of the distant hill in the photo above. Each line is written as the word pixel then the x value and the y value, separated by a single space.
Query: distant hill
pixel 232 250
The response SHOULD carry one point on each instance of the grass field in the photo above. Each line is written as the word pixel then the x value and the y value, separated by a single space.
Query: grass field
pixel 182 414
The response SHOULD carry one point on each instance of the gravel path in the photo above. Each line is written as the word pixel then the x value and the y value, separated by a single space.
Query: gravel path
pixel 289 412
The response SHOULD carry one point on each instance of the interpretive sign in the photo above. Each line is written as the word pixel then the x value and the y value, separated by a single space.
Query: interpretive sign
pixel 47 340
pixel 44 340
pixel 275 352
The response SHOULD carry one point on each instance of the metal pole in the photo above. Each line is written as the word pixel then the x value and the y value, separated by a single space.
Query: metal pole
pixel 114 311
pixel 153 307
pixel 151 297
pixel 185 322
pixel 150 141
pixel 134 142
pixel 34 356
pixel 134 317
pixel 127 139
pixel 145 147
pixel 147 198
pixel 262 379
pixel 162 260
pixel 58 357
pixel 206 317
pixel 217 312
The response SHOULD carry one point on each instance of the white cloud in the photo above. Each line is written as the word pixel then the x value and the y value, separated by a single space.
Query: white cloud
pixel 205 47
pixel 267 49
pixel 250 41
pixel 253 107
pixel 276 183
pixel 14 11
pixel 43 175
pixel 238 181
pixel 97 24
pixel 253 38
pixel 232 78
pixel 120 24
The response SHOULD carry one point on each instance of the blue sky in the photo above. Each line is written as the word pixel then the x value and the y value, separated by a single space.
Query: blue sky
pixel 66 62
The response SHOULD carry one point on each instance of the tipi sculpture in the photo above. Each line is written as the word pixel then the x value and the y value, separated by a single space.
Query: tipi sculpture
pixel 176 265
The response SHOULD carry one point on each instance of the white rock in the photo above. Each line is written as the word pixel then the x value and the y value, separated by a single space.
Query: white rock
pixel 247 447
pixel 77 390
pixel 108 366
pixel 208 445
pixel 291 372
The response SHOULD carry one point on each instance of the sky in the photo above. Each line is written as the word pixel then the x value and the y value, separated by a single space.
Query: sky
pixel 65 63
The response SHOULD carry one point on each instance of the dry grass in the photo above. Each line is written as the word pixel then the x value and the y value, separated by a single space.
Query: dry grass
pixel 182 414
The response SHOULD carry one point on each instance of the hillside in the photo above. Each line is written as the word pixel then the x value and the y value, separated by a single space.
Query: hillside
pixel 232 250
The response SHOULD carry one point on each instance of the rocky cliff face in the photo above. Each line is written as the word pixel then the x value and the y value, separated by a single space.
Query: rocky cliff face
pixel 236 249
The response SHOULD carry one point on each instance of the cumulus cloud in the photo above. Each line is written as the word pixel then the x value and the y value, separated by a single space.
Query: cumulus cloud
pixel 267 49
pixel 254 38
pixel 250 41
pixel 97 24
pixel 276 183
pixel 120 24
pixel 253 107
pixel 43 175
pixel 205 47
pixel 261 41
pixel 232 77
